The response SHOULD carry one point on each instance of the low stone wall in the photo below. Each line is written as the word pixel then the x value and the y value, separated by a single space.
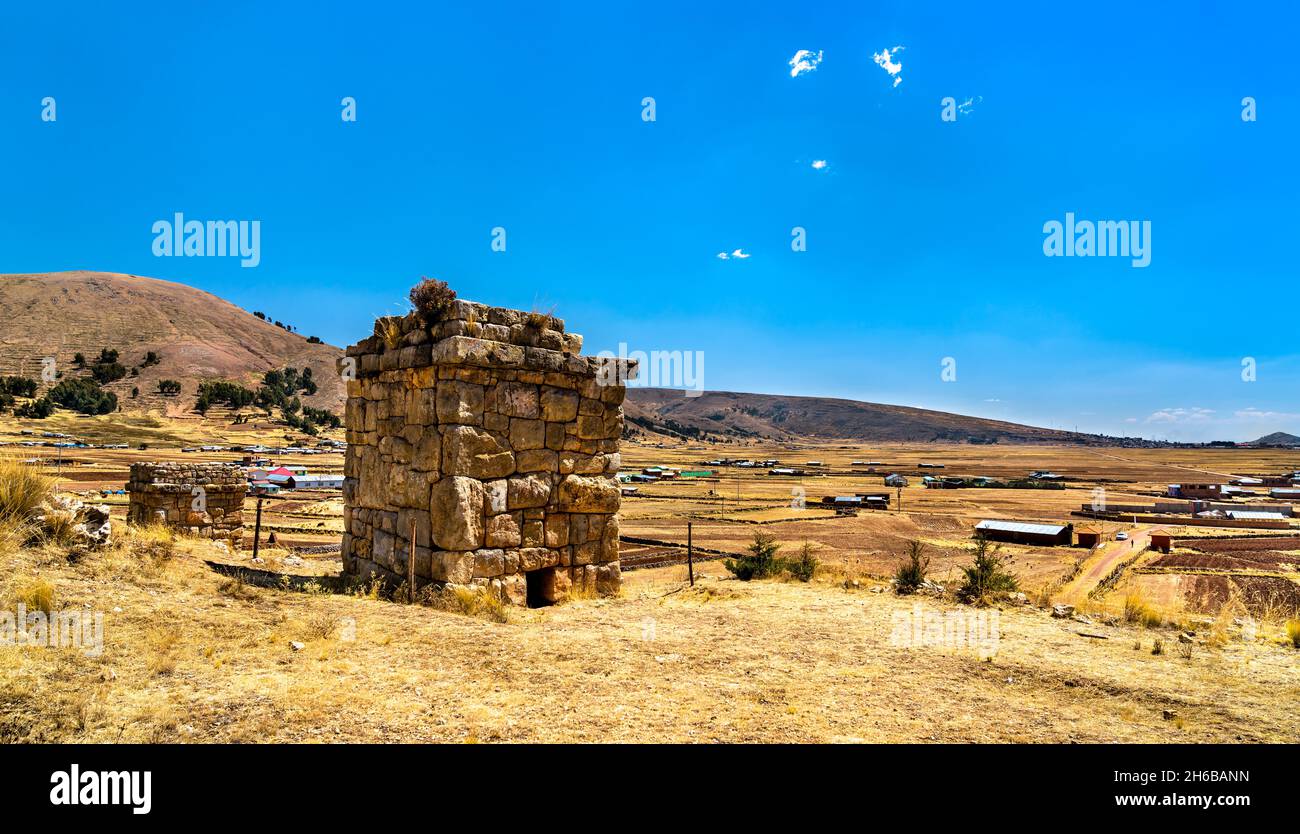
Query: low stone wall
pixel 203 499
pixel 488 442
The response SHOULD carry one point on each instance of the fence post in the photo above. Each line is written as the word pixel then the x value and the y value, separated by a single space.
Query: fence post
pixel 690 555
pixel 410 568
pixel 257 527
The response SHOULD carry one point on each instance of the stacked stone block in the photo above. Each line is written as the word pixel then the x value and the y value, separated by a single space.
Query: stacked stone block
pixel 203 499
pixel 487 440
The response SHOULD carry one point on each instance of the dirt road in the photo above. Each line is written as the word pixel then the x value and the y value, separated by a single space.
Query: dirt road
pixel 1103 560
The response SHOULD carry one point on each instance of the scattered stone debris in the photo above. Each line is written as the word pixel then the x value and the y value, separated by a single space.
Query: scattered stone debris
pixel 931 588
pixel 1062 611
pixel 87 525
pixel 1184 638
pixel 851 584
pixel 1170 715
pixel 296 646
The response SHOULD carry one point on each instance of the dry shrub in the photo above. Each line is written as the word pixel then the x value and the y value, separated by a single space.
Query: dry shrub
pixel 1137 610
pixel 162 643
pixel 36 595
pixel 158 723
pixel 56 529
pixel 539 319
pixel 236 588
pixel 389 328
pixel 22 491
pixel 321 625
pixel 432 297
pixel 581 591
pixel 1221 628
pixel 1293 632
pixel 468 600
pixel 371 588
pixel 153 545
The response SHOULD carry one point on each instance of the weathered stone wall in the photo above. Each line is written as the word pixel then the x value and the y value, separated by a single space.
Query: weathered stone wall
pixel 204 499
pixel 487 438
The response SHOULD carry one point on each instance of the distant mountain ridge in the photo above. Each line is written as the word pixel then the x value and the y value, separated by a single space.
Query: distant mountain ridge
pixel 727 415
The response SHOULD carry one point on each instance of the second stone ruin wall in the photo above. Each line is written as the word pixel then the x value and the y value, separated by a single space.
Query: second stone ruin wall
pixel 203 499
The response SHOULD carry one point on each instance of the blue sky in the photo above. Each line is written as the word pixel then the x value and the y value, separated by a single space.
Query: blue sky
pixel 924 237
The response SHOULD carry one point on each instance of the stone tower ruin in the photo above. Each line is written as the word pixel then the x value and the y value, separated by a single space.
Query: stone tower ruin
pixel 488 441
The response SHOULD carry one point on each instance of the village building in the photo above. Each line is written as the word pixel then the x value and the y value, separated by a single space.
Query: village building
pixel 1021 532
pixel 1197 490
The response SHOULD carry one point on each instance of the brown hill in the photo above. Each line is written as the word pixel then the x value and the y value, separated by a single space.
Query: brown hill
pixel 728 416
pixel 197 335
pixel 1277 438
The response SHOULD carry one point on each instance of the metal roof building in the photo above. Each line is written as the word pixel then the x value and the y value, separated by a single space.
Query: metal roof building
pixel 1023 532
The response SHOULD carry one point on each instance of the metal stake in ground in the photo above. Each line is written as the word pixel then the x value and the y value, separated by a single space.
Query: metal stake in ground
pixel 690 558
pixel 410 568
pixel 257 527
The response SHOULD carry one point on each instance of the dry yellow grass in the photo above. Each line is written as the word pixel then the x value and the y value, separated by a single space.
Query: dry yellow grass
pixel 1140 612
pixel 190 657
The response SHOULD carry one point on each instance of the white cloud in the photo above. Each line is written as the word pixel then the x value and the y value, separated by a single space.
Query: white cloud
pixel 804 61
pixel 1180 415
pixel 820 164
pixel 739 254
pixel 885 60
pixel 1252 413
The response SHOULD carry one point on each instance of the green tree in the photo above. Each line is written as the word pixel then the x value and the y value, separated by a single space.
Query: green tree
pixel 760 560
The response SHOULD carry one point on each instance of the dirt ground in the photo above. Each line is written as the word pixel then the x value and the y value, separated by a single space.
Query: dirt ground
pixel 190 656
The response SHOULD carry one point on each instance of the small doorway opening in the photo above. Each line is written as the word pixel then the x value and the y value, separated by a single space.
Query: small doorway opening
pixel 541 587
